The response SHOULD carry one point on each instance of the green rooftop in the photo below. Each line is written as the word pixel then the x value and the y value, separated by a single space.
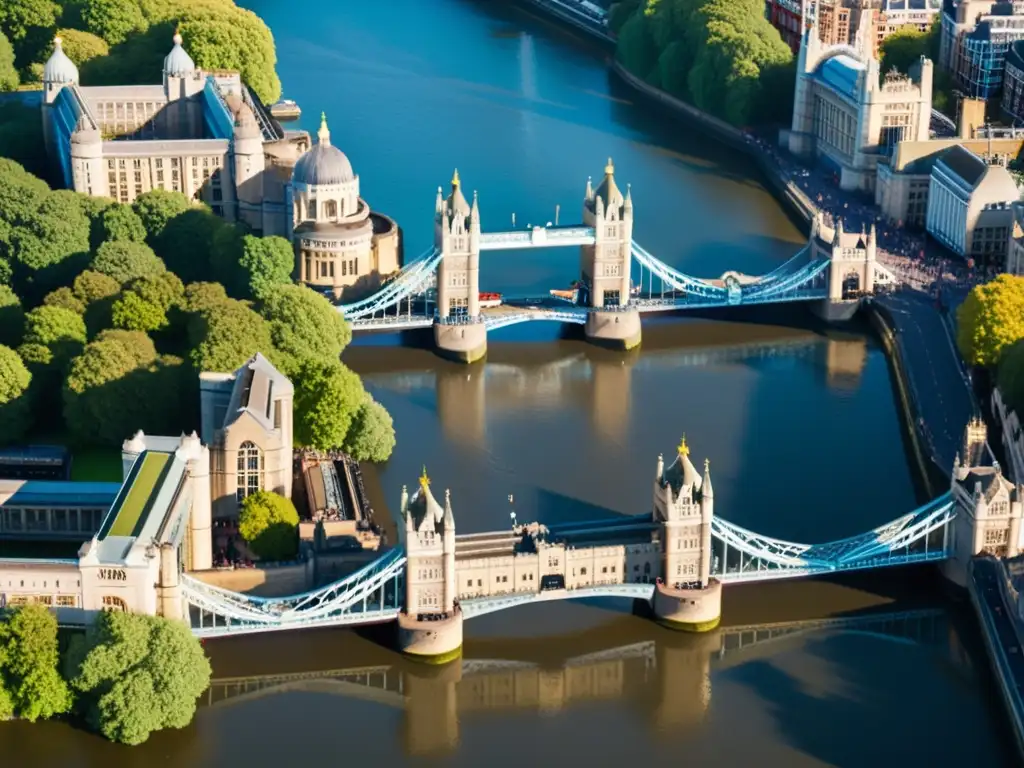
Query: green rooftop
pixel 142 481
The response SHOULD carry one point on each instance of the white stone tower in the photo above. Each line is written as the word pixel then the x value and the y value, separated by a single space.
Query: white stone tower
pixel 988 508
pixel 459 332
pixel 686 597
pixel 605 265
pixel 249 163
pixel 58 71
pixel 430 623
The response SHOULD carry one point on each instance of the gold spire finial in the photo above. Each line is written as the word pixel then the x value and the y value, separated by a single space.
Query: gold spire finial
pixel 683 449
pixel 610 168
pixel 455 178
pixel 424 480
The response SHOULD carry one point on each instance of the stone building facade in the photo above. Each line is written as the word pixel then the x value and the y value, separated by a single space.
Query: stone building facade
pixel 247 424
pixel 206 135
pixel 849 117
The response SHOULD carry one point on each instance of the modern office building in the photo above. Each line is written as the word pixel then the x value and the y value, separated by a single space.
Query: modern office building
pixel 1013 84
pixel 970 206
pixel 976 38
pixel 849 117
pixel 206 135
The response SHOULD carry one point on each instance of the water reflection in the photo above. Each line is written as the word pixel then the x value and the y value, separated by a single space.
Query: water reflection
pixel 669 681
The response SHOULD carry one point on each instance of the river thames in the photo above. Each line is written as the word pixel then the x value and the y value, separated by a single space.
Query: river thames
pixel 801 429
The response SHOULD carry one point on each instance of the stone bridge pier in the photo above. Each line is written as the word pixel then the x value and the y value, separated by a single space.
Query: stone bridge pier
pixel 852 272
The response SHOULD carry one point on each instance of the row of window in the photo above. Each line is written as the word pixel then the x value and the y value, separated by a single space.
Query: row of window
pixel 60 601
pixel 30 519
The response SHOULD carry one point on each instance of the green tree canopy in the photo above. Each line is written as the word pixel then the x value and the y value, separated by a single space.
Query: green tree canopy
pixel 28 24
pixel 43 246
pixel 990 320
pixel 9 79
pixel 125 260
pixel 266 262
pixel 156 208
pixel 59 329
pixel 304 324
pixel 119 222
pixel 81 46
pixel 372 434
pixel 21 136
pixel 200 297
pixel 1011 376
pixel 15 410
pixel 12 317
pixel 29 663
pixel 92 286
pixel 112 20
pixel 134 313
pixel 21 193
pixel 327 397
pixel 269 524
pixel 225 336
pixel 113 386
pixel 903 48
pixel 186 243
pixel 165 289
pixel 140 674
pixel 65 297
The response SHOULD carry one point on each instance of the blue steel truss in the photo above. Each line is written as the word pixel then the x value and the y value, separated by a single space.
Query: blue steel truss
pixel 414 280
pixel 921 536
pixel 371 594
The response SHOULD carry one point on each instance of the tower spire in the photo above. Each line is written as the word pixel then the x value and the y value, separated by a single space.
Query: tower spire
pixel 455 178
pixel 609 170
pixel 323 135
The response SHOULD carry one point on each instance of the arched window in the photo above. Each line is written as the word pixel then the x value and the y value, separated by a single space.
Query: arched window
pixel 311 209
pixel 111 603
pixel 331 209
pixel 250 470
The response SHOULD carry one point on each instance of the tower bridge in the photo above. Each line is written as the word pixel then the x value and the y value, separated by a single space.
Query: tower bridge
pixel 677 558
pixel 619 280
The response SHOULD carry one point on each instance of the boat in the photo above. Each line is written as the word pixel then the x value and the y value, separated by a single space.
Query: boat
pixel 569 295
pixel 285 109
pixel 488 300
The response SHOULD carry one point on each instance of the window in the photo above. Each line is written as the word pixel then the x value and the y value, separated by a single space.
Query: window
pixel 469 583
pixel 330 209
pixel 583 571
pixel 66 601
pixel 111 603
pixel 250 470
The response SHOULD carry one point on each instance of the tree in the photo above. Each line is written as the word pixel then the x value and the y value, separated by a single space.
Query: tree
pixel 54 327
pixel 12 317
pixel 93 286
pixel 270 525
pixel 327 397
pixel 158 207
pixel 43 246
pixel 112 387
pixel 65 297
pixel 1011 376
pixel 186 243
pixel 29 663
pixel 119 222
pixel 266 262
pixel 21 136
pixel 112 20
pixel 903 48
pixel 8 72
pixel 372 434
pixel 134 313
pixel 21 193
pixel 165 290
pixel 990 320
pixel 82 46
pixel 28 24
pixel 200 297
pixel 140 674
pixel 225 336
pixel 304 324
pixel 124 261
pixel 15 410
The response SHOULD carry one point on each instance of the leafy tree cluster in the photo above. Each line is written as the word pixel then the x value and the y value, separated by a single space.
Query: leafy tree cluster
pixel 903 49
pixel 990 334
pixel 722 56
pixel 124 41
pixel 269 523
pixel 129 675
pixel 112 308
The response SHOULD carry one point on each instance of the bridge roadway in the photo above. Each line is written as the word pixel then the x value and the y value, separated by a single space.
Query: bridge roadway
pixel 943 397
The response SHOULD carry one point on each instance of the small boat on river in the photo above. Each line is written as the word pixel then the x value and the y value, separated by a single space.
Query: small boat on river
pixel 286 109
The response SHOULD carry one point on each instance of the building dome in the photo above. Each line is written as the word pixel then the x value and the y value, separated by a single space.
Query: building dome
pixel 59 68
pixel 323 164
pixel 177 62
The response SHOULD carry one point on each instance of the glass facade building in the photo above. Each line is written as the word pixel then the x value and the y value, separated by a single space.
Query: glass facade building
pixel 974 48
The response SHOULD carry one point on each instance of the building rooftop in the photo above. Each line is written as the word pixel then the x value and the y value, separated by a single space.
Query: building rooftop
pixel 125 516
pixel 257 385
pixel 164 147
pixel 56 493
pixel 842 73
pixel 964 164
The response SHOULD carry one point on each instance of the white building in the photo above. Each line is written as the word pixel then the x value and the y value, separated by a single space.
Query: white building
pixel 969 205
pixel 847 116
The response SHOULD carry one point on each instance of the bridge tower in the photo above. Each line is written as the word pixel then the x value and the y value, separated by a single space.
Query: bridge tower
pixel 430 623
pixel 988 508
pixel 605 265
pixel 459 331
pixel 851 272
pixel 686 597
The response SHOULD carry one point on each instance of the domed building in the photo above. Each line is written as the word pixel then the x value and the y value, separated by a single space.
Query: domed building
pixel 342 246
